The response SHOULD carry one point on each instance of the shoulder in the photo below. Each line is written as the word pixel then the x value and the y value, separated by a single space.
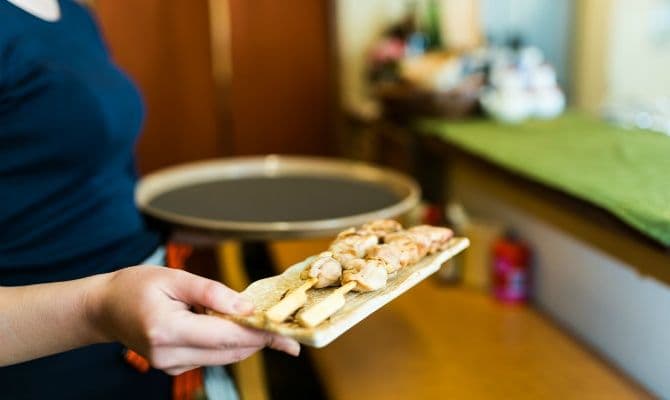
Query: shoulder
pixel 81 13
pixel 85 19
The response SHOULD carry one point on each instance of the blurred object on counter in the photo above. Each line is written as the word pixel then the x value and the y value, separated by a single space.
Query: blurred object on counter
pixel 405 38
pixel 403 99
pixel 457 219
pixel 521 85
pixel 432 215
pixel 463 28
pixel 425 214
pixel 511 270
pixel 651 115
pixel 415 215
pixel 478 260
pixel 475 266
pixel 433 25
pixel 436 71
pixel 426 34
pixel 411 74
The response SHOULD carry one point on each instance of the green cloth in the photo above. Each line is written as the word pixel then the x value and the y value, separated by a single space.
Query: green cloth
pixel 626 172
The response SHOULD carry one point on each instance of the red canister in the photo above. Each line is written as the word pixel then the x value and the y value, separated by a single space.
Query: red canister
pixel 511 270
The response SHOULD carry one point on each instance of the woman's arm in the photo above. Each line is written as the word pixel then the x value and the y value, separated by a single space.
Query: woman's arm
pixel 39 320
pixel 146 308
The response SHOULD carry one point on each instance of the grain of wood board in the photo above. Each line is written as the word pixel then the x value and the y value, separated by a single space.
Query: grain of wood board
pixel 324 317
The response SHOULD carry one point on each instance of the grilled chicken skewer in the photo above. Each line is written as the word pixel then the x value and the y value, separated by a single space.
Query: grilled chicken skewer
pixel 352 244
pixel 382 227
pixel 400 248
pixel 325 269
pixel 360 263
pixel 290 303
pixel 321 272
pixel 318 313
pixel 369 275
pixel 349 246
pixel 358 275
pixel 438 237
pixel 391 257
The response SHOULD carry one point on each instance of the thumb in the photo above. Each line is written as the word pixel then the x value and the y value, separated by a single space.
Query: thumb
pixel 196 290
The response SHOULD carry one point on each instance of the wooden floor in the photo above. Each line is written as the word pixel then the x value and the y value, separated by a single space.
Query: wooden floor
pixel 451 342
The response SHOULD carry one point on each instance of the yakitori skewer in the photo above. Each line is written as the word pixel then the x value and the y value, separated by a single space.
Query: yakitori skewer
pixel 438 237
pixel 326 269
pixel 358 262
pixel 391 256
pixel 382 227
pixel 323 271
pixel 412 247
pixel 290 303
pixel 358 275
pixel 325 308
pixel 352 244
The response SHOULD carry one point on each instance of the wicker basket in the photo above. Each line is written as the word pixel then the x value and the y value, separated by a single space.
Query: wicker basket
pixel 404 100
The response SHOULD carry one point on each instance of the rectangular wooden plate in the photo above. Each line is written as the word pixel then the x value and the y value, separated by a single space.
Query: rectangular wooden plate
pixel 267 292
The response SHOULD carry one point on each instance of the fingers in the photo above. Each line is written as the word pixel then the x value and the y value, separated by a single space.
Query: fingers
pixel 283 343
pixel 179 370
pixel 206 331
pixel 176 360
pixel 195 290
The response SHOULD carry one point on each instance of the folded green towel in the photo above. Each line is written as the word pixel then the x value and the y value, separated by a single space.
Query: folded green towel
pixel 626 172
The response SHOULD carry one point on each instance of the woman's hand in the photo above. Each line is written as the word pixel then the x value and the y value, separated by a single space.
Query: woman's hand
pixel 148 309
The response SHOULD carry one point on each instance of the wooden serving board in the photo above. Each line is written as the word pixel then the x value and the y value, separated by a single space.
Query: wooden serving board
pixel 267 292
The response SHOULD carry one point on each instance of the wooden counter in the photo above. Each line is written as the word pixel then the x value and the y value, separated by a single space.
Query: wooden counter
pixel 437 342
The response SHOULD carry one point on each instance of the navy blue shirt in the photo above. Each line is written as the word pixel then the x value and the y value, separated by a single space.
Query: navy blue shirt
pixel 69 120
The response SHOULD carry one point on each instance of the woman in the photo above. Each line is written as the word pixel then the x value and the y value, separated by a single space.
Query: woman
pixel 68 123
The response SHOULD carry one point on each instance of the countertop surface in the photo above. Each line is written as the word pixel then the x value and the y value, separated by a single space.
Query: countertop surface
pixel 456 343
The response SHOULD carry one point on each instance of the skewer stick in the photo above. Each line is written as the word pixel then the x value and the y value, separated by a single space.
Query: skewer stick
pixel 318 313
pixel 290 303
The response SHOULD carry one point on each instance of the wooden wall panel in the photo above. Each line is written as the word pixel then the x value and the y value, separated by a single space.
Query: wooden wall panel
pixel 281 86
pixel 279 97
pixel 164 46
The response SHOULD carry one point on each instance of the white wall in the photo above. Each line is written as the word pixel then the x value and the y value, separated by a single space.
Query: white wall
pixel 624 316
pixel 359 23
pixel 639 50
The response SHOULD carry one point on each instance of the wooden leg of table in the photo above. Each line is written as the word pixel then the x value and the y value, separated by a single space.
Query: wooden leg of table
pixel 250 373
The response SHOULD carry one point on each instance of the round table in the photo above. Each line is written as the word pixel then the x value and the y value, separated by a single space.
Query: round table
pixel 273 197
